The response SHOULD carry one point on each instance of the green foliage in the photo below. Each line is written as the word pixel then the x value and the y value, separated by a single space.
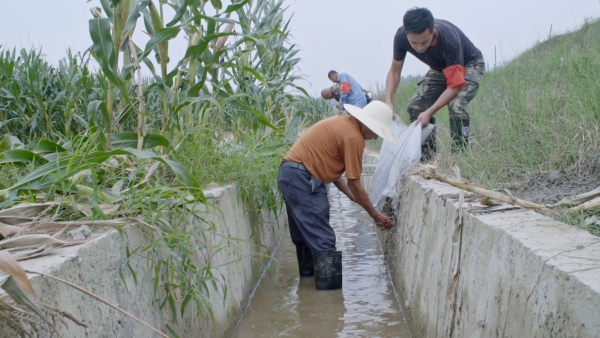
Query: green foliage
pixel 38 100
pixel 220 115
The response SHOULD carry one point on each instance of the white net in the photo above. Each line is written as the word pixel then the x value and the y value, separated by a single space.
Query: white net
pixel 394 159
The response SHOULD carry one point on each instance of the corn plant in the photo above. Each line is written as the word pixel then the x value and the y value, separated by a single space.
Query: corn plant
pixel 38 100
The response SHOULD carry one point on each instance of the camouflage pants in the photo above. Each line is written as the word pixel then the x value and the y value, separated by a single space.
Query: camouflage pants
pixel 433 85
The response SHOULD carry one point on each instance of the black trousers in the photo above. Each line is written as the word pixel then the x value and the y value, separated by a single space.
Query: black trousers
pixel 307 208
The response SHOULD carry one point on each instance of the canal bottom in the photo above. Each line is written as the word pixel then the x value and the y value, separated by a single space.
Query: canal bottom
pixel 286 305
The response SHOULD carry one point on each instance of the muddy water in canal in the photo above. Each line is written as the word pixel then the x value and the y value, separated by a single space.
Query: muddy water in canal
pixel 286 305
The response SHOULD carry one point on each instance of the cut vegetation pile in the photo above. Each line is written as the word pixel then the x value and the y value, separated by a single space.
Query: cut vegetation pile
pixel 535 123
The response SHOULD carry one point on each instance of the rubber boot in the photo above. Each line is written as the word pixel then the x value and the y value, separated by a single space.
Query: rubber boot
pixel 328 270
pixel 428 149
pixel 459 131
pixel 305 261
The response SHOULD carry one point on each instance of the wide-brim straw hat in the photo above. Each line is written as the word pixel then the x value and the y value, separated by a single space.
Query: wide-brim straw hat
pixel 376 116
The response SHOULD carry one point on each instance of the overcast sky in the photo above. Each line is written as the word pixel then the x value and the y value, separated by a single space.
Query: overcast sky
pixel 353 36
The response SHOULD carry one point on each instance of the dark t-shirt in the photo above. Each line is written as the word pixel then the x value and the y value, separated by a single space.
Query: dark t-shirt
pixel 452 47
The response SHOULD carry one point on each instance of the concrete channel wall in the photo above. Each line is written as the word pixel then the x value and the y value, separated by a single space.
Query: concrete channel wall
pixel 466 273
pixel 95 267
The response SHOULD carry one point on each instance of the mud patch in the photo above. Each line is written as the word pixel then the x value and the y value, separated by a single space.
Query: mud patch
pixel 552 187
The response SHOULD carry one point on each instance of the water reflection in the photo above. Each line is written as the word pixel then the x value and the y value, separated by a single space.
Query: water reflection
pixel 286 305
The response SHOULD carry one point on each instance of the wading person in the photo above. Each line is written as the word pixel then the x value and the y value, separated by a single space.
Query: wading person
pixel 456 69
pixel 345 90
pixel 321 155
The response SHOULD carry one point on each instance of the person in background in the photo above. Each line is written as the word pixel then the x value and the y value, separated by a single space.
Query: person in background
pixel 325 151
pixel 345 90
pixel 456 70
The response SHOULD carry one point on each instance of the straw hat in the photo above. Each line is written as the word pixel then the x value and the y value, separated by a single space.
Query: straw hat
pixel 377 116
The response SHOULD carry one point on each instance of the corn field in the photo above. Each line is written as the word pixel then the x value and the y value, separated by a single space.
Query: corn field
pixel 95 138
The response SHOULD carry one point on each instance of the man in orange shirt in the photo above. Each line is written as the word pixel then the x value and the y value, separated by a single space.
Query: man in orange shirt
pixel 321 155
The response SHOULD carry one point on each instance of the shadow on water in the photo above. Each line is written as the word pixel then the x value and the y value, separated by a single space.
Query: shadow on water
pixel 286 305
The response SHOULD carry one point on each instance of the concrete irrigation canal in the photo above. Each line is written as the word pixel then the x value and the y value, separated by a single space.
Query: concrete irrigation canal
pixel 457 269
pixel 286 305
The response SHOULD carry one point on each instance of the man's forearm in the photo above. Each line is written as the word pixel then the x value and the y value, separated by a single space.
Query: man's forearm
pixel 343 98
pixel 343 187
pixel 444 99
pixel 391 86
pixel 362 198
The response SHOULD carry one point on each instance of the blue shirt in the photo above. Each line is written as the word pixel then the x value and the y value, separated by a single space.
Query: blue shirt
pixel 357 96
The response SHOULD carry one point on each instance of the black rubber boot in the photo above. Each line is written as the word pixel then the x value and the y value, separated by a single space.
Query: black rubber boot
pixel 328 270
pixel 428 149
pixel 459 131
pixel 305 261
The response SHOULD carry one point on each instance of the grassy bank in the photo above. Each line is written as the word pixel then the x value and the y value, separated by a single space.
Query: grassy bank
pixel 538 113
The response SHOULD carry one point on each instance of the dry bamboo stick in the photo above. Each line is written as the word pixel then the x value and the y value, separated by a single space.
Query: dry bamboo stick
pixel 429 172
pixel 595 203
pixel 99 299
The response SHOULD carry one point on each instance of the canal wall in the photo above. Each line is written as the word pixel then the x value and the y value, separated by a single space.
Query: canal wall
pixel 96 266
pixel 462 272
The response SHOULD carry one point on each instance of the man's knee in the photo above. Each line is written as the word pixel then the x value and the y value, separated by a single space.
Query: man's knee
pixel 458 106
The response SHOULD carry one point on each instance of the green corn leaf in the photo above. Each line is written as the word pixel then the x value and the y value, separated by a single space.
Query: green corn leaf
pixel 211 18
pixel 195 50
pixel 187 179
pixel 148 22
pixel 196 100
pixel 63 168
pixel 103 45
pixel 217 4
pixel 179 13
pixel 155 18
pixel 164 35
pixel 234 7
pixel 130 140
pixel 259 115
pixel 301 89
pixel 256 74
pixel 45 147
pixel 134 14
pixel 93 109
pixel 10 142
pixel 19 156
pixel 112 77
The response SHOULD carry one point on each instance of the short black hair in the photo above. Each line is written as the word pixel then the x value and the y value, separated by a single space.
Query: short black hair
pixel 331 72
pixel 417 20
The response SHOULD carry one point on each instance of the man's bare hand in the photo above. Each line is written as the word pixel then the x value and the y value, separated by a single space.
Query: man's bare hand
pixel 339 108
pixel 383 222
pixel 424 118
pixel 392 108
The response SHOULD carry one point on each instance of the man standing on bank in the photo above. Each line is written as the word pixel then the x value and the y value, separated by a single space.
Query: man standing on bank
pixel 345 90
pixel 321 155
pixel 457 67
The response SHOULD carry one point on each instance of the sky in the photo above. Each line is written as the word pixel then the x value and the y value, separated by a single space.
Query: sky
pixel 352 36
